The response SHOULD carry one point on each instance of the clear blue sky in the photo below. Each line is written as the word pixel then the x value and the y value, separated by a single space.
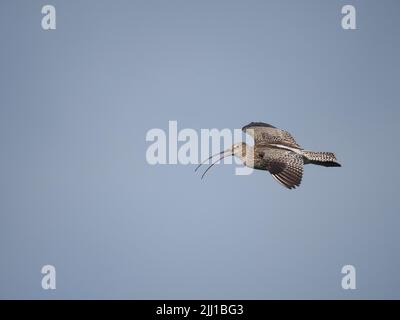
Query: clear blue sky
pixel 76 191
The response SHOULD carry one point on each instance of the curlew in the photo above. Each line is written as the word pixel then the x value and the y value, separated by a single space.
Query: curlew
pixel 276 151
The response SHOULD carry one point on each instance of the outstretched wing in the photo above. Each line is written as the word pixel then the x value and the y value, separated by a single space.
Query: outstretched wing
pixel 285 166
pixel 264 133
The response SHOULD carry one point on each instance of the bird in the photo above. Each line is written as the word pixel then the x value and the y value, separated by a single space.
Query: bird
pixel 275 151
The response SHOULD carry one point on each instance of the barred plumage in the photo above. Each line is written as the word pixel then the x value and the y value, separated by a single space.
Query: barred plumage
pixel 276 151
pixel 326 159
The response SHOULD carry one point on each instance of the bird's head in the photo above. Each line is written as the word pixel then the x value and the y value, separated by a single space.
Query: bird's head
pixel 239 150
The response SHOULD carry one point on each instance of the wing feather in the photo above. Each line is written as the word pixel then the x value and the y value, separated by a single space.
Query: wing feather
pixel 264 133
pixel 285 166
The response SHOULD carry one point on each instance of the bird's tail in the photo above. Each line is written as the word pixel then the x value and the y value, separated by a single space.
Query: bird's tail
pixel 326 159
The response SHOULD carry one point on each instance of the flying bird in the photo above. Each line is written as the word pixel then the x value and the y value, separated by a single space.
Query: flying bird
pixel 276 151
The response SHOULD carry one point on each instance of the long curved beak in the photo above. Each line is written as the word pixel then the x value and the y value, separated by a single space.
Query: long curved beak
pixel 221 155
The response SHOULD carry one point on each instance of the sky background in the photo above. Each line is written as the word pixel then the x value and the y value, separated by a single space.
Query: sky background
pixel 76 191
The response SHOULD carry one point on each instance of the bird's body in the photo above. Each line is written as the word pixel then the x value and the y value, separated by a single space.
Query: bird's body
pixel 277 151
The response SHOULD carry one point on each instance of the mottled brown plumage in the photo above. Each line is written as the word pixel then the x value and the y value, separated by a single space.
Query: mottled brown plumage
pixel 276 151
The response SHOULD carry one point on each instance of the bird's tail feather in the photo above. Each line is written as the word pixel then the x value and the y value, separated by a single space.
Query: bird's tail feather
pixel 326 159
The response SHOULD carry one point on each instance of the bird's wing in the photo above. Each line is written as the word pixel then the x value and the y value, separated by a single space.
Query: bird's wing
pixel 264 133
pixel 285 166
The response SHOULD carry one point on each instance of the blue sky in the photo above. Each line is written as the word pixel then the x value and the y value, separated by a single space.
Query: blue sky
pixel 77 193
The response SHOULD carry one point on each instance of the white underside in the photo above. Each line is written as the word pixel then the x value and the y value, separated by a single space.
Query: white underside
pixel 296 150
